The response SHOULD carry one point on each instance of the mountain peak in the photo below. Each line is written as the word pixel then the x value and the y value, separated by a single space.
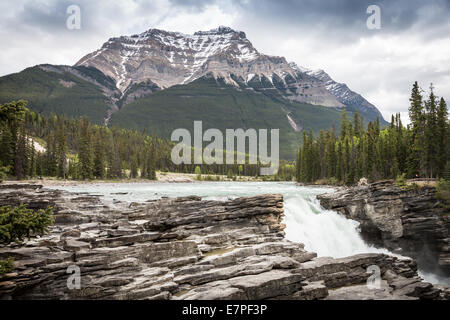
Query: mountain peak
pixel 221 30
pixel 298 68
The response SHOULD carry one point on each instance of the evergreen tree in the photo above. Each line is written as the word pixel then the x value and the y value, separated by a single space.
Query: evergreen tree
pixel 61 151
pixel 358 125
pixel 85 152
pixel 344 124
pixel 20 156
pixel 12 118
pixel 298 165
pixel 431 138
pixel 417 117
pixel 116 163
pixel 33 166
pixel 134 168
pixel 442 135
pixel 151 161
pixel 99 159
pixel 51 163
pixel 7 146
pixel 39 165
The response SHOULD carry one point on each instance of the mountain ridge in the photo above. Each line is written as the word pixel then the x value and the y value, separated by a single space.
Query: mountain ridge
pixel 173 58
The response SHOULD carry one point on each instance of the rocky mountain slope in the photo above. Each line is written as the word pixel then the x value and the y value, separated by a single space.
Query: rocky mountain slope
pixel 189 249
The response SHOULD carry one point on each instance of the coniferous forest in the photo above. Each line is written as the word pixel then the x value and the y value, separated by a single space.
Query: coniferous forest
pixel 33 146
pixel 418 150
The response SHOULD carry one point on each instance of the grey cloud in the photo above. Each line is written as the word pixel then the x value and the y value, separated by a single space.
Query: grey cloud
pixel 342 20
pixel 38 26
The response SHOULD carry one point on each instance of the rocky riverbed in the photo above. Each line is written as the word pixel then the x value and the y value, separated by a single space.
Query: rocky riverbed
pixel 187 248
pixel 408 221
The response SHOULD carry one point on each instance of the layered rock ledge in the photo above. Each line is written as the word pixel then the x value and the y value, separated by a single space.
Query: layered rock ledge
pixel 410 222
pixel 186 248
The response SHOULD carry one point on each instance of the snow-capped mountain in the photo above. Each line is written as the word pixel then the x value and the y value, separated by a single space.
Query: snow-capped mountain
pixel 159 81
pixel 160 59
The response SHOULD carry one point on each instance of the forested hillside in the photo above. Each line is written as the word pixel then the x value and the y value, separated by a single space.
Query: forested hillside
pixel 66 91
pixel 223 107
pixel 78 149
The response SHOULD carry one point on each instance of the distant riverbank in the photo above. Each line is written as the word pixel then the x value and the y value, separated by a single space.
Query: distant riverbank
pixel 169 177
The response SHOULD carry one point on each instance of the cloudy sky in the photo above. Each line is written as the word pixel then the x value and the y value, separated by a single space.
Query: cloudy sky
pixel 412 44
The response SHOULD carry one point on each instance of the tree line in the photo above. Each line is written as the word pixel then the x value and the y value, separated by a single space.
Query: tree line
pixel 80 150
pixel 421 149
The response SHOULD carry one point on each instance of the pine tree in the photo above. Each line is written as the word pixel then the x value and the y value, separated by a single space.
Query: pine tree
pixel 431 139
pixel 298 165
pixel 358 125
pixel 51 163
pixel 344 124
pixel 443 132
pixel 331 154
pixel 99 158
pixel 133 168
pixel 151 161
pixel 39 165
pixel 12 118
pixel 61 151
pixel 339 169
pixel 401 144
pixel 417 117
pixel 32 166
pixel 20 155
pixel 6 147
pixel 85 152
pixel 116 165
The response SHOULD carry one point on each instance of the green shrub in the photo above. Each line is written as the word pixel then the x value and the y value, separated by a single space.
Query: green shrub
pixel 6 266
pixel 400 181
pixel 198 172
pixel 19 223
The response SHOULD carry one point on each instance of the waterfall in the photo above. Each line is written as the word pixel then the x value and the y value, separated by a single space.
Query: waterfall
pixel 323 231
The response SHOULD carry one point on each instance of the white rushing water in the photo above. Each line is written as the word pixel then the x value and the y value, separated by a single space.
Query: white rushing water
pixel 322 231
